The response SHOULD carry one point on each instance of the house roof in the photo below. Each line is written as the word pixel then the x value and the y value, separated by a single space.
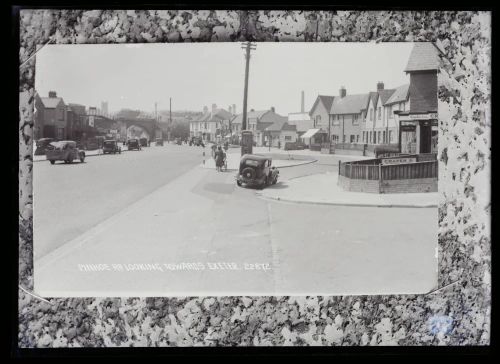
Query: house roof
pixel 374 97
pixel 280 125
pixel 385 94
pixel 423 57
pixel 250 114
pixel 219 114
pixel 51 102
pixel 400 95
pixel 349 104
pixel 325 100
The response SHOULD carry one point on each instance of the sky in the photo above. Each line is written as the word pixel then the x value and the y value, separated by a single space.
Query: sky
pixel 194 75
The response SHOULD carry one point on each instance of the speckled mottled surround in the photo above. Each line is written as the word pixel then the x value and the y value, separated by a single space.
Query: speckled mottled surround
pixel 457 314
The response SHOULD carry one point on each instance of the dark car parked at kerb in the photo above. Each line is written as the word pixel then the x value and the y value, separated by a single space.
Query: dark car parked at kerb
pixel 159 142
pixel 42 145
pixel 66 151
pixel 111 146
pixel 256 170
pixel 133 144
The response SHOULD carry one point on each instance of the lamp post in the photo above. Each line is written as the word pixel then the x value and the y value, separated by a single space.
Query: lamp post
pixel 248 46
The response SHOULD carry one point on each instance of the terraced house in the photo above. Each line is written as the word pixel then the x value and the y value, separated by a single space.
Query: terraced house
pixel 347 116
pixel 211 125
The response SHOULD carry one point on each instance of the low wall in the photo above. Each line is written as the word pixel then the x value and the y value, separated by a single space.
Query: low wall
pixel 417 185
pixel 359 185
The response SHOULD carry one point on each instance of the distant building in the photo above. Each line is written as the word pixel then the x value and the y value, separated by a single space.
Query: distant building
pixel 104 108
pixel 77 118
pixel 51 117
pixel 279 133
pixel 257 122
pixel 211 126
pixel 320 117
pixel 347 115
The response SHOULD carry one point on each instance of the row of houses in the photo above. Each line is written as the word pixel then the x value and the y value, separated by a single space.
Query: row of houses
pixel 54 118
pixel 404 116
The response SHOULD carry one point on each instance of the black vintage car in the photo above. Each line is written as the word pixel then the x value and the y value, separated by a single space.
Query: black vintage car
pixel 133 144
pixel 66 151
pixel 111 146
pixel 256 170
pixel 42 145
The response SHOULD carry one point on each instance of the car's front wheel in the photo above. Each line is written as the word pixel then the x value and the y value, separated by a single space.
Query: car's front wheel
pixel 52 162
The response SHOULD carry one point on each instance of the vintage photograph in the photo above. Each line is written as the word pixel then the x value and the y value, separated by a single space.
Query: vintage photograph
pixel 242 168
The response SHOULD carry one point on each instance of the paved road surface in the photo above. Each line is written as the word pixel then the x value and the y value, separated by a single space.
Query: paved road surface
pixel 200 217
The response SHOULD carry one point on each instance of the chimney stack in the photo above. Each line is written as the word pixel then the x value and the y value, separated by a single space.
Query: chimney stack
pixel 380 85
pixel 234 109
pixel 52 94
pixel 229 109
pixel 273 109
pixel 343 92
pixel 302 102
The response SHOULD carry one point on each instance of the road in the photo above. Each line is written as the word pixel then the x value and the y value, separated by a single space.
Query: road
pixel 155 223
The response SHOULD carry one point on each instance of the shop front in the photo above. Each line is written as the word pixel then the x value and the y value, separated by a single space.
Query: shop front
pixel 418 133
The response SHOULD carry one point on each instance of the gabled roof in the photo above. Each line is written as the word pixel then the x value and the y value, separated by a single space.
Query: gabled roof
pixel 280 125
pixel 51 102
pixel 400 95
pixel 423 57
pixel 250 115
pixel 385 95
pixel 373 96
pixel 349 104
pixel 219 114
pixel 325 100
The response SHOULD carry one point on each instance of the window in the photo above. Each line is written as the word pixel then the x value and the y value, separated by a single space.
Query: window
pixel 383 138
pixel 61 114
pixel 288 137
pixel 317 120
pixel 379 112
pixel 391 114
pixel 379 139
pixel 355 119
pixel 352 138
pixel 357 138
pixel 391 136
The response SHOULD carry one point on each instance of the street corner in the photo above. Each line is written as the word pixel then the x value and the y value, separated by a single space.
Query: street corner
pixel 322 189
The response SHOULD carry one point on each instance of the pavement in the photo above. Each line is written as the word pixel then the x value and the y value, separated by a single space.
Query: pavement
pixel 233 161
pixel 326 191
pixel 155 223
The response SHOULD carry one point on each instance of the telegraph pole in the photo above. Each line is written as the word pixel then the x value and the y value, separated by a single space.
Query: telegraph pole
pixel 248 46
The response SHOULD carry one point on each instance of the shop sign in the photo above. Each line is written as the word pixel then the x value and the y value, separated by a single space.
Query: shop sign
pixel 408 128
pixel 400 160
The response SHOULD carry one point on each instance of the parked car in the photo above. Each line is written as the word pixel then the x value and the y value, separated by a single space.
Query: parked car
pixel 158 142
pixel 256 170
pixel 111 146
pixel 178 141
pixel 144 142
pixel 42 145
pixel 196 141
pixel 295 146
pixel 66 151
pixel 133 144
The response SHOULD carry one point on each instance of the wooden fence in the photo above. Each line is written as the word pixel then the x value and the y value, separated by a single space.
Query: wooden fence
pixel 378 171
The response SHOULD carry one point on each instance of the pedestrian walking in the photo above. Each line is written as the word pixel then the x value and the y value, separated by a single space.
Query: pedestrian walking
pixel 219 158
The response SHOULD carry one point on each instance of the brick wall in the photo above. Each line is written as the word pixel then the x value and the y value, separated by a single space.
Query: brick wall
pixel 359 185
pixel 420 185
pixel 423 92
pixel 409 185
